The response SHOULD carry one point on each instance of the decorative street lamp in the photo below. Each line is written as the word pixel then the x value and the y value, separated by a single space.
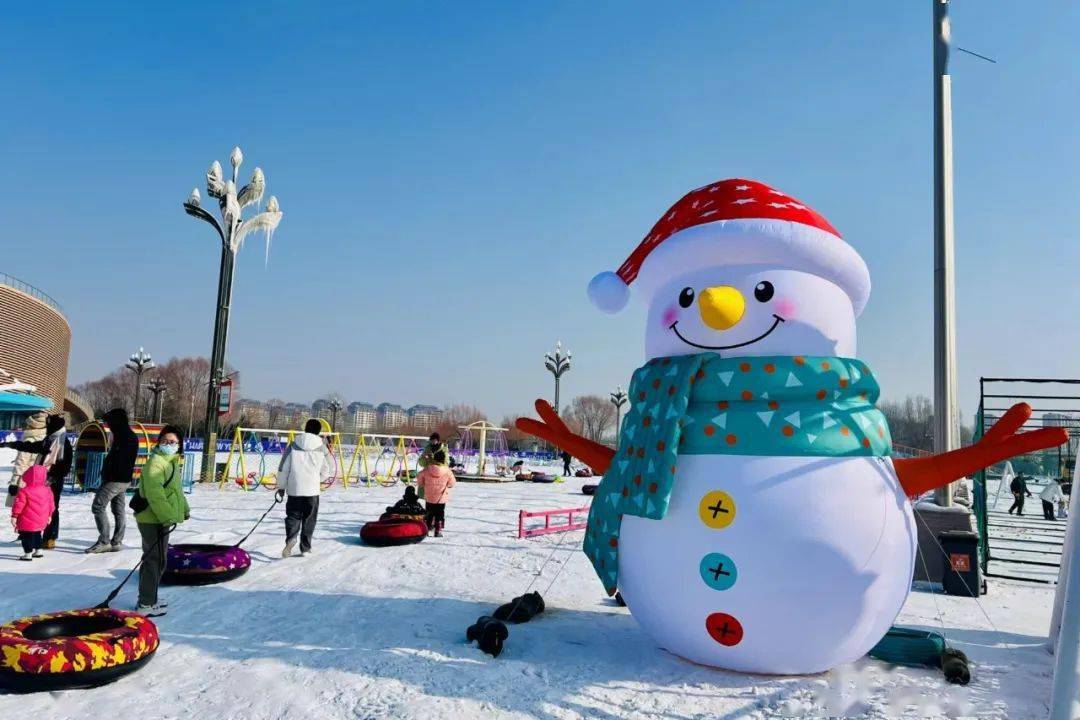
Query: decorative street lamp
pixel 557 364
pixel 335 406
pixel 232 229
pixel 618 399
pixel 157 388
pixel 139 363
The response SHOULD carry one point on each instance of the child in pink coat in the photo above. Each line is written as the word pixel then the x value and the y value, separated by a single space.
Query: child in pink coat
pixel 435 482
pixel 32 511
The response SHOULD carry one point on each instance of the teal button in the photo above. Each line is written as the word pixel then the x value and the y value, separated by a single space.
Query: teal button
pixel 718 571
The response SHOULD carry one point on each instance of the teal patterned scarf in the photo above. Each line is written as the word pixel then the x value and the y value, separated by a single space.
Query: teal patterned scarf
pixel 704 404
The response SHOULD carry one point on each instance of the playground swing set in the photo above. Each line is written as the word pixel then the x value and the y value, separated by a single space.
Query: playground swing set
pixel 373 458
pixel 484 445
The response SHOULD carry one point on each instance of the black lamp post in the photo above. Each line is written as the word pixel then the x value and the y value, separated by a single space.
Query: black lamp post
pixel 335 406
pixel 557 364
pixel 139 363
pixel 232 229
pixel 157 388
pixel 618 399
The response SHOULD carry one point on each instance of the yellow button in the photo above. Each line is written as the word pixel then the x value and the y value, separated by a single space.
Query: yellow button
pixel 717 509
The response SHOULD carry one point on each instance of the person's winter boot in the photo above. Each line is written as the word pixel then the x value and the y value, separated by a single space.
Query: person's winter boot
pixel 521 609
pixel 49 545
pixel 954 663
pixel 289 545
pixel 489 634
pixel 438 529
pixel 38 553
pixel 27 557
pixel 151 610
pixel 116 546
pixel 98 547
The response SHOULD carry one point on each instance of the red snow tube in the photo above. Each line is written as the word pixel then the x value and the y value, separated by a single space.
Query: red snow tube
pixel 384 533
pixel 74 649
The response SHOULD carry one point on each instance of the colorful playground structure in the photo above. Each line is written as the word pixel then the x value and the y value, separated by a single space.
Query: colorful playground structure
pixel 93 442
pixel 364 458
pixel 483 444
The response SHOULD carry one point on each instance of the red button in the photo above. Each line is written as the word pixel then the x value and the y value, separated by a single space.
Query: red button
pixel 724 629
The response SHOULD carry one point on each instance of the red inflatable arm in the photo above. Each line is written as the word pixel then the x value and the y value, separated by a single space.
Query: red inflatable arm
pixel 1001 442
pixel 551 428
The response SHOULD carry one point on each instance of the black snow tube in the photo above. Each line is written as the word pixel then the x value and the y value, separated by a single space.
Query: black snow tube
pixel 589 489
pixel 194 564
pixel 388 533
pixel 74 649
pixel 542 478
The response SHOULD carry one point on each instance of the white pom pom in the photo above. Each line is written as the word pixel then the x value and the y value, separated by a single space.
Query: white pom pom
pixel 608 292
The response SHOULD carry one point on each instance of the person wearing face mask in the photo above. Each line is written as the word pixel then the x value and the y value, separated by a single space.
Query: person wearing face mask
pixel 159 507
pixel 54 453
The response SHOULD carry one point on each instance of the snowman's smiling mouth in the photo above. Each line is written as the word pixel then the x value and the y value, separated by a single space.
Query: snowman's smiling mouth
pixel 776 322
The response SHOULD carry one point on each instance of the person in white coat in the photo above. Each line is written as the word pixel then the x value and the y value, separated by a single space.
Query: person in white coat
pixel 304 467
pixel 1051 496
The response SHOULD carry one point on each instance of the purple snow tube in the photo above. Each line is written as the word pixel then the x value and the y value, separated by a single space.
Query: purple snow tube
pixel 204 564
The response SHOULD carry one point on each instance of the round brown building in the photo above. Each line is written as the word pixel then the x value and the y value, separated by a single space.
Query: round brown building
pixel 35 339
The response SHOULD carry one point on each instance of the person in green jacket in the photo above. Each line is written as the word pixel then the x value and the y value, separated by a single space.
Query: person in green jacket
pixel 435 444
pixel 161 485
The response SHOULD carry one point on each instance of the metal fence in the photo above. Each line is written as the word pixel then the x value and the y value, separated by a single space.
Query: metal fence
pixel 27 289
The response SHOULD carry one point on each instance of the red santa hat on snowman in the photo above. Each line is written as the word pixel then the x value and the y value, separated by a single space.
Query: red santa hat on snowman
pixel 734 222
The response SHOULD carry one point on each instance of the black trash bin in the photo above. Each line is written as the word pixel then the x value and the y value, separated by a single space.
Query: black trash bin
pixel 962 572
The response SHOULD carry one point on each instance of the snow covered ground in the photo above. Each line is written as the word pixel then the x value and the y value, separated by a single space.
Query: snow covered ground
pixel 359 632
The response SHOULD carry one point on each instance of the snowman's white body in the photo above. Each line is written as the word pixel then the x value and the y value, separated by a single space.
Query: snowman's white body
pixel 824 550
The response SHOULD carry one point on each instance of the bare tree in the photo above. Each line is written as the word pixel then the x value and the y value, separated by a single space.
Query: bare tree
pixel 117 389
pixel 593 415
pixel 454 417
pixel 516 439
pixel 185 381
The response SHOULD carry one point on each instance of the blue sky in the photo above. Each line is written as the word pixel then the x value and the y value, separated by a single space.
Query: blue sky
pixel 452 177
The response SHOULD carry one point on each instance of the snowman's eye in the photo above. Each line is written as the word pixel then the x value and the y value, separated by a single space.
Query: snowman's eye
pixel 763 291
pixel 686 297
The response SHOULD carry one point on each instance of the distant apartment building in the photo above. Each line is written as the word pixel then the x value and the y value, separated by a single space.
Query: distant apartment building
pixel 252 413
pixel 362 417
pixel 390 416
pixel 424 417
pixel 292 415
pixel 1071 423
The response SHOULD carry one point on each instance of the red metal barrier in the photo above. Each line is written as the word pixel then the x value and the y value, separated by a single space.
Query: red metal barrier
pixel 548 527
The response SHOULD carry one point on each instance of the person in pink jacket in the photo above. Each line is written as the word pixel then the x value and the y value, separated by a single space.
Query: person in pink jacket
pixel 32 511
pixel 435 481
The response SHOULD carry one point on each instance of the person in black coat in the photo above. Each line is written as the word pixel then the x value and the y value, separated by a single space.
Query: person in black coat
pixel 54 452
pixel 1018 487
pixel 566 458
pixel 117 471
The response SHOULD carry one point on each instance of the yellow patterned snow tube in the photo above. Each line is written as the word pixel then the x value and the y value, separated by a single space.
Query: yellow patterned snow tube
pixel 72 649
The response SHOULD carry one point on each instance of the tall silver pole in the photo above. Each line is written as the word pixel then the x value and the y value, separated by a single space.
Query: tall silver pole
pixel 1065 639
pixel 946 428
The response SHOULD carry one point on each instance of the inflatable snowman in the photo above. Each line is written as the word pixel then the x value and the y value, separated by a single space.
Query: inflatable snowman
pixel 751 515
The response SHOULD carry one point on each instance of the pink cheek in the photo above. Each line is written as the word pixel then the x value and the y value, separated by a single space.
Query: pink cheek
pixel 785 308
pixel 670 316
